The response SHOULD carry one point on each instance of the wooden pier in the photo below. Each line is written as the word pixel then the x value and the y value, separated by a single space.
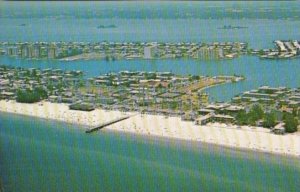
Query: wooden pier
pixel 96 128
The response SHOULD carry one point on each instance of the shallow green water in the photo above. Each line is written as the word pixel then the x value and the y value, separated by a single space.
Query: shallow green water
pixel 41 155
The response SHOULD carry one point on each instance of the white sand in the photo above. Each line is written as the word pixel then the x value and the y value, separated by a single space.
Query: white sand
pixel 59 112
pixel 253 138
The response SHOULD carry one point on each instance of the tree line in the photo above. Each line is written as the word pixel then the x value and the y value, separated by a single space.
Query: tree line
pixel 31 96
pixel 269 120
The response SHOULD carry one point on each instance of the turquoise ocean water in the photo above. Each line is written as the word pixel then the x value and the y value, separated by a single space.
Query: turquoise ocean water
pixel 40 155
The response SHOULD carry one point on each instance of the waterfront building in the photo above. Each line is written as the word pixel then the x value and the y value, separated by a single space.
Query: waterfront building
pixel 297 45
pixel 37 51
pixel 211 117
pixel 264 94
pixel 279 129
pixel 210 53
pixel 150 52
pixel 12 51
pixel 232 110
pixel 52 52
pixel 203 120
pixel 204 112
pixel 281 46
pixel 30 50
pixel 24 51
pixel 7 95
pixel 223 118
pixel 271 90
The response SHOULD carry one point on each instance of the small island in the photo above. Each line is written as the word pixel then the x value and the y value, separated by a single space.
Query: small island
pixel 106 26
pixel 232 27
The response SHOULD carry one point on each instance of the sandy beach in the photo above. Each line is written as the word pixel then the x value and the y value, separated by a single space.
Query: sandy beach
pixel 60 112
pixel 253 138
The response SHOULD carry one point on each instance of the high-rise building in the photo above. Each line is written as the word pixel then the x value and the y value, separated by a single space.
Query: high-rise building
pixel 30 50
pixel 210 53
pixel 12 51
pixel 52 52
pixel 37 51
pixel 24 51
pixel 150 52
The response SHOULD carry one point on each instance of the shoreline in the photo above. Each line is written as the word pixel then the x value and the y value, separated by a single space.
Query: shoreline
pixel 233 149
pixel 246 138
pixel 179 141
pixel 197 141
pixel 213 85
pixel 221 83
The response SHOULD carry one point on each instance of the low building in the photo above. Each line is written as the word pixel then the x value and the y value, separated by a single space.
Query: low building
pixel 7 95
pixel 205 111
pixel 233 110
pixel 203 120
pixel 223 118
pixel 278 129
pixel 54 98
pixel 188 116
pixel 217 107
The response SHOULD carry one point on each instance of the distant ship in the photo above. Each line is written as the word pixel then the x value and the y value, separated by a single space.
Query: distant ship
pixel 232 27
pixel 22 25
pixel 106 26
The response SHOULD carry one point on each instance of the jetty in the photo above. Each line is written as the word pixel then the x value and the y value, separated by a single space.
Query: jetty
pixel 102 125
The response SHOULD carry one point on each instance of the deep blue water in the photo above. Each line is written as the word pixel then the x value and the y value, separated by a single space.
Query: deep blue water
pixel 41 155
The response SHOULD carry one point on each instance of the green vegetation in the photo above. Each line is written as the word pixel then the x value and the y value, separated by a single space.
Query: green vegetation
pixel 194 77
pixel 150 75
pixel 269 120
pixel 81 83
pixel 261 52
pixel 256 113
pixel 291 123
pixel 31 96
pixel 173 105
pixel 65 53
pixel 82 107
pixel 241 118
